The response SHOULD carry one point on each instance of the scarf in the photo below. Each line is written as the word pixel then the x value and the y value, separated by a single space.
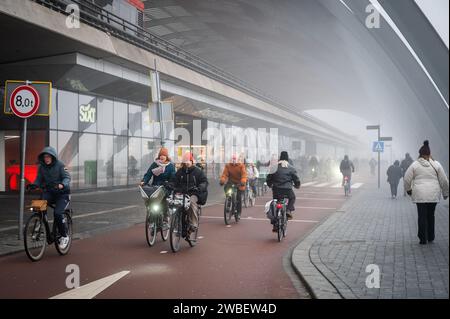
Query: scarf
pixel 160 169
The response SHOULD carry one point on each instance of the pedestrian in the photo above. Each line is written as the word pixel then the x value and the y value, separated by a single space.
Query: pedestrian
pixel 406 163
pixel 394 174
pixel 425 181
pixel 373 165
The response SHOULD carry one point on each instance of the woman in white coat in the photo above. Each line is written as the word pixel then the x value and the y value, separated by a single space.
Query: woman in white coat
pixel 425 181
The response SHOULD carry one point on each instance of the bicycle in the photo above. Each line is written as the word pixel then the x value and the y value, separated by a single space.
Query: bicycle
pixel 230 208
pixel 179 204
pixel 37 234
pixel 249 195
pixel 154 221
pixel 346 186
pixel 279 206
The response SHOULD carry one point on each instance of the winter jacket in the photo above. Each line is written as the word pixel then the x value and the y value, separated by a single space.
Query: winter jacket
pixel 394 174
pixel 347 168
pixel 236 174
pixel 406 163
pixel 169 173
pixel 252 172
pixel 284 178
pixel 426 183
pixel 51 175
pixel 193 177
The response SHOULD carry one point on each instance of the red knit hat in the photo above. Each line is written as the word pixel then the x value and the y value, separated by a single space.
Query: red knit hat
pixel 187 157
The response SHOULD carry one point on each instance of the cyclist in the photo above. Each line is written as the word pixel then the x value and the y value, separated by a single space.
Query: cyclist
pixel 54 179
pixel 191 180
pixel 235 173
pixel 252 175
pixel 347 168
pixel 162 170
pixel 281 182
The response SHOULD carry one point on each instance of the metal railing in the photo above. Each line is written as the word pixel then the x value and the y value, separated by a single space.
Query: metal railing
pixel 104 20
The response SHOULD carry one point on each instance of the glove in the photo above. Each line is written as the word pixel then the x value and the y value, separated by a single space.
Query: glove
pixel 409 192
pixel 445 197
pixel 221 183
pixel 31 187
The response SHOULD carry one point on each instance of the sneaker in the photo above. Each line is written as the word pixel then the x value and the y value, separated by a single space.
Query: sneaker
pixel 423 242
pixel 274 229
pixel 289 215
pixel 63 242
pixel 165 226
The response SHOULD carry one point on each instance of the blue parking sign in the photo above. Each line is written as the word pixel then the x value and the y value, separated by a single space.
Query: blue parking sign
pixel 378 147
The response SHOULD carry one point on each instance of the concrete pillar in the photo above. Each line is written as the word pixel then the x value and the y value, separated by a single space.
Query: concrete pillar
pixel 310 148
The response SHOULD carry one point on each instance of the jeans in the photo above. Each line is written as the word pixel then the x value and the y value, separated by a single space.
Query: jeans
pixel 60 201
pixel 426 221
pixel 349 183
pixel 193 212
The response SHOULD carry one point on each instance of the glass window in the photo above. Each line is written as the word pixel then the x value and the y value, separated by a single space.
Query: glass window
pixel 135 119
pixel 68 154
pixel 87 113
pixel 120 118
pixel 147 127
pixel 54 110
pixel 105 110
pixel 105 149
pixel 67 111
pixel 148 154
pixel 53 139
pixel 134 160
pixel 87 161
pixel 120 160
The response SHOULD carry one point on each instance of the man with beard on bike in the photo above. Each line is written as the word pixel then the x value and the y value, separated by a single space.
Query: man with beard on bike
pixel 235 173
pixel 54 179
pixel 191 180
pixel 281 180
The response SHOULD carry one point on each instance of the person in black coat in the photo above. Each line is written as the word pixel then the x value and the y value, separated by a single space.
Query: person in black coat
pixel 191 180
pixel 394 174
pixel 282 180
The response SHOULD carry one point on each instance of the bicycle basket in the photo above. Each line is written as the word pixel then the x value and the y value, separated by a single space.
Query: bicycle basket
pixel 39 205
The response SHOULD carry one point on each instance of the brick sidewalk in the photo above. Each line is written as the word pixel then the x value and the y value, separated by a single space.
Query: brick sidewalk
pixel 371 228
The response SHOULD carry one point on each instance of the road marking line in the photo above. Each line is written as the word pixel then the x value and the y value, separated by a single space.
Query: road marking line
pixel 82 215
pixel 309 184
pixel 92 289
pixel 8 228
pixel 266 219
pixel 323 184
pixel 337 185
pixel 105 211
pixel 357 185
pixel 305 207
pixel 163 252
pixel 200 237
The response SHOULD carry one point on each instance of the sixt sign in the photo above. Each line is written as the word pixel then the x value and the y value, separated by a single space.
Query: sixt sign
pixel 87 113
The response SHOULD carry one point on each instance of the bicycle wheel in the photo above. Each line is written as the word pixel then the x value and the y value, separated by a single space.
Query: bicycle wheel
pixel 252 199
pixel 246 198
pixel 165 231
pixel 280 226
pixel 67 221
pixel 151 229
pixel 285 224
pixel 175 232
pixel 228 210
pixel 35 237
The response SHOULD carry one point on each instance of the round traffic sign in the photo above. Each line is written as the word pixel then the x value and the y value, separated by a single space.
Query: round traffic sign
pixel 24 101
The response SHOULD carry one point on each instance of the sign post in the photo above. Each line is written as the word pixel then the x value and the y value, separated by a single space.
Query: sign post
pixel 23 99
pixel 156 98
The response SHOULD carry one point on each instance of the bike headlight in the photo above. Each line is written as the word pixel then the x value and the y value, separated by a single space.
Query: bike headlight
pixel 313 169
pixel 229 192
pixel 155 208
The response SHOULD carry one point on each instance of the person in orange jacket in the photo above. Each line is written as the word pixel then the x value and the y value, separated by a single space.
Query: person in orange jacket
pixel 235 173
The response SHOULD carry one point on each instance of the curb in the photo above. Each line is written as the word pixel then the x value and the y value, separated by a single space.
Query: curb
pixel 317 278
